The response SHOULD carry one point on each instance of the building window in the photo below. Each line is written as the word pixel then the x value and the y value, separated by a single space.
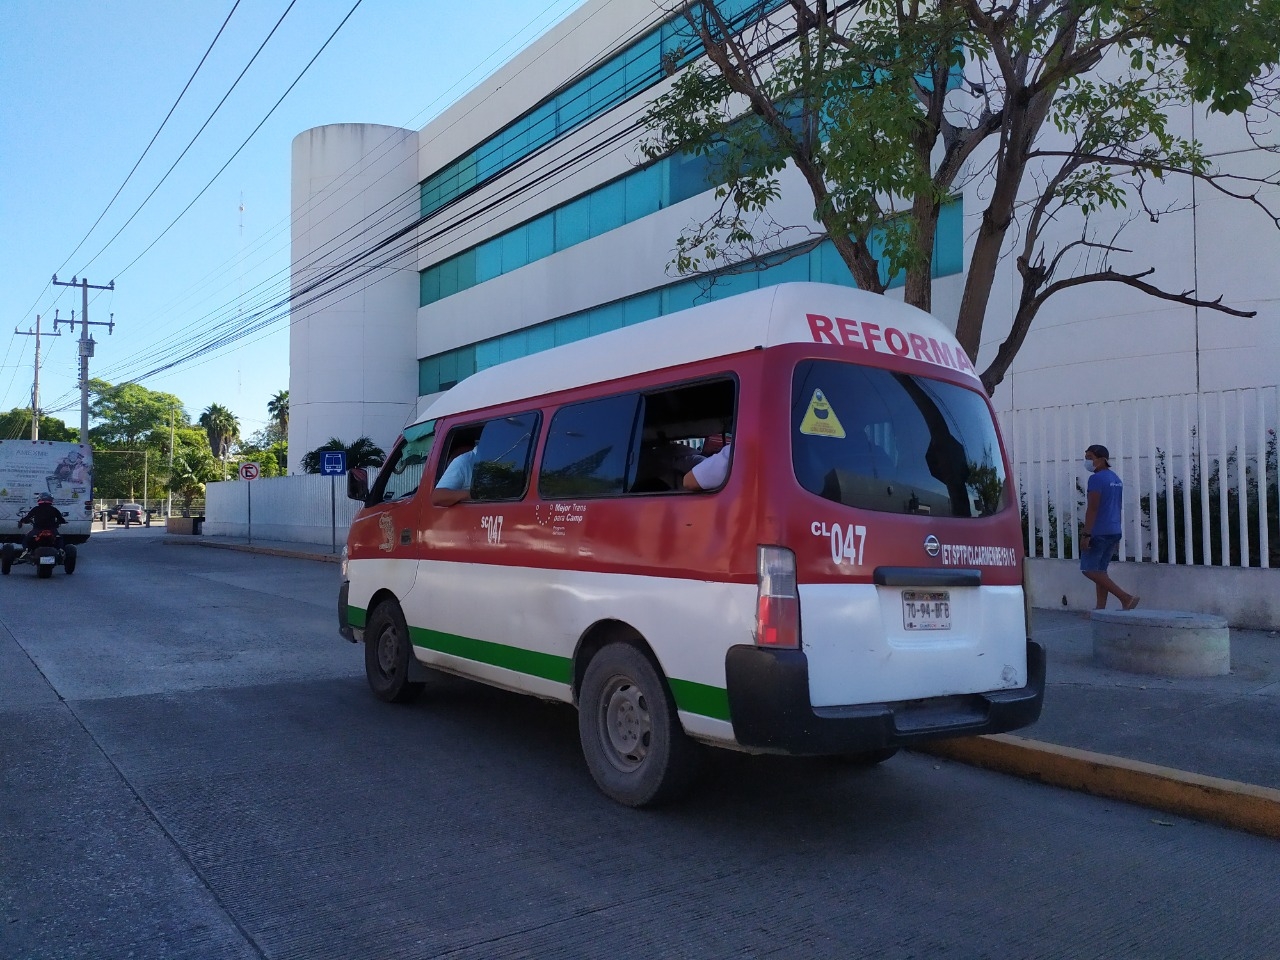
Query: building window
pixel 822 265
pixel 621 77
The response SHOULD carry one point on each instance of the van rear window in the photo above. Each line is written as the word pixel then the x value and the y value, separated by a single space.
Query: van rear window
pixel 878 440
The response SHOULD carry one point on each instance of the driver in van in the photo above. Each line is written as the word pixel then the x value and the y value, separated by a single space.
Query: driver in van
pixel 455 484
pixel 43 516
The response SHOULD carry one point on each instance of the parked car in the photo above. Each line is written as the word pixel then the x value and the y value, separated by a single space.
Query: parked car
pixel 112 511
pixel 128 513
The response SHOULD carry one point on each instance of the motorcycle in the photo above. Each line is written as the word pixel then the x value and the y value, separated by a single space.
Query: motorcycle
pixel 44 554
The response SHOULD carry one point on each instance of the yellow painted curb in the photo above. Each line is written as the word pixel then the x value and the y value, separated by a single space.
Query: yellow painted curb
pixel 1242 806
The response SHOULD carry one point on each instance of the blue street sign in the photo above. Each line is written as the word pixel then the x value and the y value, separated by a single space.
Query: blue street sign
pixel 333 463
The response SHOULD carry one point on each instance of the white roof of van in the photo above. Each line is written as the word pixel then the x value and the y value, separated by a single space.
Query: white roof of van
pixel 784 313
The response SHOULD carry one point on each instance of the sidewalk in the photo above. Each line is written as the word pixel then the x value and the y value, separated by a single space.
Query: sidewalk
pixel 1206 748
pixel 275 548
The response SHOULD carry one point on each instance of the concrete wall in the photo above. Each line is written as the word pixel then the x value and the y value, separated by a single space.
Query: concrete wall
pixel 1247 597
pixel 352 364
pixel 296 509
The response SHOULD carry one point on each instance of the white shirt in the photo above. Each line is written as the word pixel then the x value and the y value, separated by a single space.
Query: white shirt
pixel 457 476
pixel 712 472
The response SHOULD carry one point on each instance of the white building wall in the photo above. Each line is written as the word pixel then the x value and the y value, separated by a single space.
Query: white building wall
pixel 1108 341
pixel 352 360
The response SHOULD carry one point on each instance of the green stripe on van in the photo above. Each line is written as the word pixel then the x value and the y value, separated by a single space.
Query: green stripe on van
pixel 691 697
pixel 530 662
pixel 701 698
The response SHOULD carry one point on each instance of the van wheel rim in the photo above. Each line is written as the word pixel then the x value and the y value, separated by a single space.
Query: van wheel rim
pixel 626 727
pixel 388 651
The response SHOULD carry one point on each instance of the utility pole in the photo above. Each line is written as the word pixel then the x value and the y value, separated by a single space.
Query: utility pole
pixel 168 510
pixel 86 342
pixel 35 383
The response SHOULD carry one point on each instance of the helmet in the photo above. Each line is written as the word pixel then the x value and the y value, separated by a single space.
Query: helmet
pixel 44 498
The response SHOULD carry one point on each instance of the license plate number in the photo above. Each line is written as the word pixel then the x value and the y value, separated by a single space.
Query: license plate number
pixel 48 561
pixel 926 610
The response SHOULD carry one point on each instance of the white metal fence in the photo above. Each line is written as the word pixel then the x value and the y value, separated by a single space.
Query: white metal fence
pixel 1199 472
pixel 305 508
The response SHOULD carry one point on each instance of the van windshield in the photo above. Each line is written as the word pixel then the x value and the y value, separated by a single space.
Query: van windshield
pixel 877 440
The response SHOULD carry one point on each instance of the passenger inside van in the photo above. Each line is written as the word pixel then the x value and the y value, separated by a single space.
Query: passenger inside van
pixel 711 472
pixel 454 485
pixel 663 464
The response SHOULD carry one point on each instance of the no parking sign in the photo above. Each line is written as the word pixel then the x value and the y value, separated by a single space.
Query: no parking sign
pixel 249 471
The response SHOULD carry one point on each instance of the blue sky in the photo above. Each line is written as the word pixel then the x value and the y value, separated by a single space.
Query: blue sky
pixel 86 84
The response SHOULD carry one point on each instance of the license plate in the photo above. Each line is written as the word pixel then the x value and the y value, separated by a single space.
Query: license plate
pixel 926 610
pixel 48 561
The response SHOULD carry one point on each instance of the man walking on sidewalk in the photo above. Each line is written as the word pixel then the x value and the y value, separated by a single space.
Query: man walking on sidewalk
pixel 1101 534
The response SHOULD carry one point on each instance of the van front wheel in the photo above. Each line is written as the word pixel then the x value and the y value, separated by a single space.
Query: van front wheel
pixel 635 748
pixel 387 650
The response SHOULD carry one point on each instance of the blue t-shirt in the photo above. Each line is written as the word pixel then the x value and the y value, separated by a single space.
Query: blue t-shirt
pixel 1106 483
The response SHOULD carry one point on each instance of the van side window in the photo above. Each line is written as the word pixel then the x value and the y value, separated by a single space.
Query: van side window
pixel 675 424
pixel 403 473
pixel 501 470
pixel 588 447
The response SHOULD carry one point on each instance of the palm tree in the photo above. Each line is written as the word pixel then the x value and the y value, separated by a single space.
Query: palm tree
pixel 360 453
pixel 223 429
pixel 278 411
pixel 188 479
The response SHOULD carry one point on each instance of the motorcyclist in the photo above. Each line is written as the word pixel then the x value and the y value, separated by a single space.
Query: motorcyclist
pixel 43 516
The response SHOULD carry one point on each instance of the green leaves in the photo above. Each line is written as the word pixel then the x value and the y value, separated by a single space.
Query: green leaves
pixel 1050 113
pixel 1223 45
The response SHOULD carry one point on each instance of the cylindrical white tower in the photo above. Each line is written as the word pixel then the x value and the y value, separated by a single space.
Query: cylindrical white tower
pixel 353 368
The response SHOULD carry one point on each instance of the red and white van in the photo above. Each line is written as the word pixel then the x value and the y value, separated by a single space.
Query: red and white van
pixel 855 584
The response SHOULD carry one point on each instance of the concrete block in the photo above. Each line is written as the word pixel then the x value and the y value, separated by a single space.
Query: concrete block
pixel 1166 643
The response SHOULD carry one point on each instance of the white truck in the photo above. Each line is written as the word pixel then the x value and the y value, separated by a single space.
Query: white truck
pixel 61 469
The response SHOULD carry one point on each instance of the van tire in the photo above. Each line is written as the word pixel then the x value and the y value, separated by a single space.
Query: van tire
pixel 7 553
pixel 632 740
pixel 387 650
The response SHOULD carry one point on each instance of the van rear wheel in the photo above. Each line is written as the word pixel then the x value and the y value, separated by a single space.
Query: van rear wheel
pixel 632 740
pixel 387 649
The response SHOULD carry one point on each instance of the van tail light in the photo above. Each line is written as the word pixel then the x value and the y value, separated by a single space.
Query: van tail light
pixel 777 600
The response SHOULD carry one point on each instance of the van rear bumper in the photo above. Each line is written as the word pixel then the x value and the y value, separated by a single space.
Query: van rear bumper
pixel 770 710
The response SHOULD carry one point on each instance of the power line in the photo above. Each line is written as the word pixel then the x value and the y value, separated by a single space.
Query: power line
pixel 206 123
pixel 349 173
pixel 246 139
pixel 582 72
pixel 151 143
pixel 272 310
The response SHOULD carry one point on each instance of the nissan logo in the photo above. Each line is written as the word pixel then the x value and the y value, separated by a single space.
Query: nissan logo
pixel 931 545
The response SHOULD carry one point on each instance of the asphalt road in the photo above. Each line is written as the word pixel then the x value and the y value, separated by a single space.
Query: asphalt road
pixel 192 767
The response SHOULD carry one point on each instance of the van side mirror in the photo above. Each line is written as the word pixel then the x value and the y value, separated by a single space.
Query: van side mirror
pixel 358 484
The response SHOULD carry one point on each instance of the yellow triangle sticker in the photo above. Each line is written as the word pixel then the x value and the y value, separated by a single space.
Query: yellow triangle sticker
pixel 820 420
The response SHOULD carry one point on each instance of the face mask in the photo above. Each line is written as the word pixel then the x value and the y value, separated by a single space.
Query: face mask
pixel 1090 465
